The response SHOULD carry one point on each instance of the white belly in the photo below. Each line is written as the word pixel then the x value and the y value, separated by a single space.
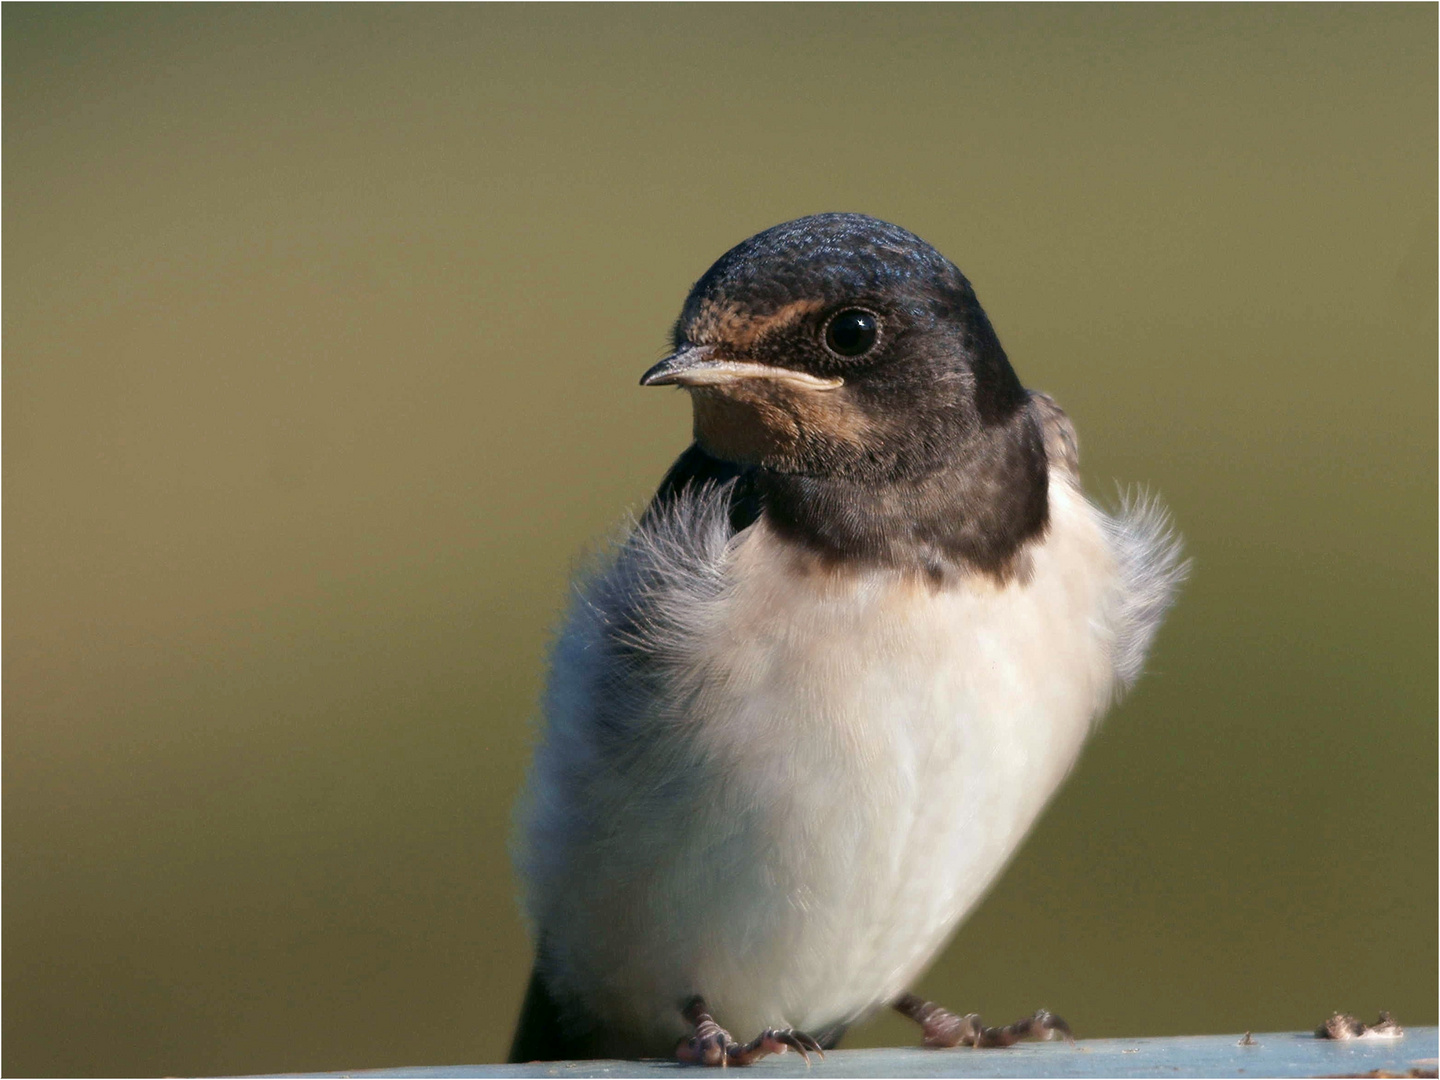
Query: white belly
pixel 861 756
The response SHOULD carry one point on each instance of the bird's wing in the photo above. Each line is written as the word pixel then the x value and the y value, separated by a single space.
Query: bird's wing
pixel 1148 553
pixel 1062 448
pixel 540 1033
pixel 629 627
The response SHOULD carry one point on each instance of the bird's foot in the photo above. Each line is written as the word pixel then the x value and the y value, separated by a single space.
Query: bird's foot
pixel 713 1045
pixel 1344 1026
pixel 940 1028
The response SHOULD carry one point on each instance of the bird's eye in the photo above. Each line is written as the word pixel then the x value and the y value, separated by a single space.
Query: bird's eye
pixel 852 332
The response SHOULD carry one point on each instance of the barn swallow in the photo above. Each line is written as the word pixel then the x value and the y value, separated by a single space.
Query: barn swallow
pixel 807 709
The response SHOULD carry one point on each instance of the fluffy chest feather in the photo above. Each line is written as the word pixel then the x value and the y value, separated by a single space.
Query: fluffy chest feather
pixel 782 787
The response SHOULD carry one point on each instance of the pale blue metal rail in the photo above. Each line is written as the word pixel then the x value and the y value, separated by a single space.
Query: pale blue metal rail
pixel 1280 1054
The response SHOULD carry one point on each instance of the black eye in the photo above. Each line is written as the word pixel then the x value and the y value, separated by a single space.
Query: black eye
pixel 852 332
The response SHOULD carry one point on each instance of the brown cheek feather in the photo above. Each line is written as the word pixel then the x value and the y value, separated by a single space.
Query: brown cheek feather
pixel 761 422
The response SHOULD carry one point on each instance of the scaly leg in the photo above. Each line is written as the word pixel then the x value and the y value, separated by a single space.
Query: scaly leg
pixel 713 1045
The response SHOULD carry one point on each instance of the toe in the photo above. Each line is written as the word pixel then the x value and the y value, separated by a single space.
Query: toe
pixel 709 1049
pixel 789 1040
pixel 808 1043
pixel 776 1041
pixel 944 1029
pixel 1051 1026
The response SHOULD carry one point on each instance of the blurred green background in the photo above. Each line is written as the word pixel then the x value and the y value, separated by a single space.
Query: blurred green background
pixel 322 329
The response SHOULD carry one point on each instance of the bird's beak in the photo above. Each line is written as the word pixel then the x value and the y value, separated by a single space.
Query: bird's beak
pixel 696 365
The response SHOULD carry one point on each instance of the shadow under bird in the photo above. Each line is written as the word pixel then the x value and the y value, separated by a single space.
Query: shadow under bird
pixel 804 713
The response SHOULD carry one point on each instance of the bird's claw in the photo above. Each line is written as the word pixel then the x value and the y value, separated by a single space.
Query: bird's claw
pixel 942 1029
pixel 1044 1025
pixel 712 1045
pixel 1344 1026
pixel 775 1041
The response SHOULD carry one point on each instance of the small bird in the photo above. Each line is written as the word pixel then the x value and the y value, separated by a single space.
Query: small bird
pixel 801 716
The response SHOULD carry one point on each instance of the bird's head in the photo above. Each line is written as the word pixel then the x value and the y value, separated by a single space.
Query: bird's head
pixel 838 346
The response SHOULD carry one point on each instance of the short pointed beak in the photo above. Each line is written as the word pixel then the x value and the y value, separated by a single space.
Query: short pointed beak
pixel 676 369
pixel 696 365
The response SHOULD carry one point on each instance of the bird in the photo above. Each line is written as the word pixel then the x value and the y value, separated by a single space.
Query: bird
pixel 803 711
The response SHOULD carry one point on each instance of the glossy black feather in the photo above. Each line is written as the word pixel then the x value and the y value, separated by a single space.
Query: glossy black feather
pixel 541 1033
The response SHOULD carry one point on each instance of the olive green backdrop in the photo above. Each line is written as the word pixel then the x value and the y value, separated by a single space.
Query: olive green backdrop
pixel 322 328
